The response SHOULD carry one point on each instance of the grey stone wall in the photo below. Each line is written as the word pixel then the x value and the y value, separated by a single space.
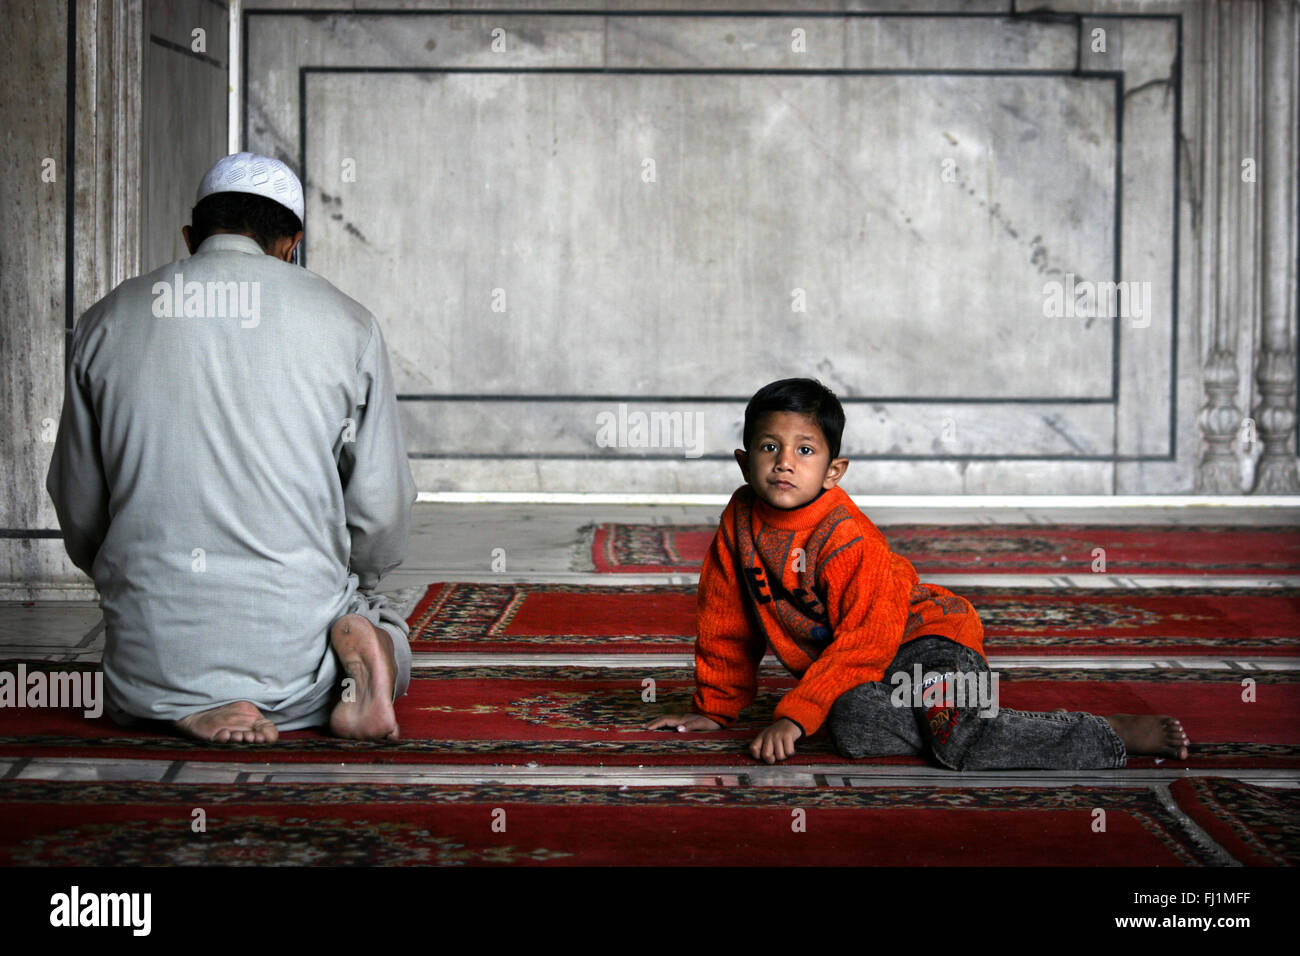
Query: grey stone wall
pixel 34 310
pixel 184 113
pixel 130 116
pixel 567 219
pixel 575 224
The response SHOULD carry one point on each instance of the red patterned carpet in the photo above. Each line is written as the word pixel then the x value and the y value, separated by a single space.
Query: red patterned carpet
pixel 574 618
pixel 572 717
pixel 1257 826
pixel 136 824
pixel 565 716
pixel 1012 549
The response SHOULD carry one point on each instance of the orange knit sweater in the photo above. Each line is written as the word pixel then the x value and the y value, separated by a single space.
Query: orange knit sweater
pixel 821 587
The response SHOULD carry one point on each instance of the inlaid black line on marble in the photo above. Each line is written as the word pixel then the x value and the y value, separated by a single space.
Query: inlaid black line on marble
pixel 853 456
pixel 302 157
pixel 1078 37
pixel 1118 247
pixel 244 44
pixel 1173 284
pixel 30 533
pixel 69 189
pixel 88 640
pixel 1011 14
pixel 186 51
pixel 744 399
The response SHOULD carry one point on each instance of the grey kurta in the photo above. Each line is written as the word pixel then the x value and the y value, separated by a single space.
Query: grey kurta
pixel 229 482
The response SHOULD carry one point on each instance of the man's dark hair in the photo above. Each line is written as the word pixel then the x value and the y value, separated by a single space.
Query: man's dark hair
pixel 806 396
pixel 263 219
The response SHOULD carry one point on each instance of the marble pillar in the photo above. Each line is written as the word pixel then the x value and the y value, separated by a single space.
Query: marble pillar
pixel 1275 414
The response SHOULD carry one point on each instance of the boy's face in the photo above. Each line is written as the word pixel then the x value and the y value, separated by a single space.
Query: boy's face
pixel 788 462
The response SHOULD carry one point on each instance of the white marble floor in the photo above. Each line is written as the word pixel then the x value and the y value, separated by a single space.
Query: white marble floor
pixel 533 774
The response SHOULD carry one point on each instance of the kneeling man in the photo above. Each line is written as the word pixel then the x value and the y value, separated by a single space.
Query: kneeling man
pixel 230 471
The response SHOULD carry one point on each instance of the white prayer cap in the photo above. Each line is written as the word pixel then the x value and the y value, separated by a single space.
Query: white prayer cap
pixel 259 175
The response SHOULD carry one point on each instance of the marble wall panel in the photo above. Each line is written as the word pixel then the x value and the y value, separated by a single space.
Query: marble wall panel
pixel 1145 420
pixel 922 206
pixel 126 202
pixel 185 116
pixel 34 305
pixel 778 237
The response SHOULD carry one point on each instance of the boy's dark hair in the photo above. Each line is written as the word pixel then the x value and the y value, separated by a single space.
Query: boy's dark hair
pixel 263 219
pixel 806 396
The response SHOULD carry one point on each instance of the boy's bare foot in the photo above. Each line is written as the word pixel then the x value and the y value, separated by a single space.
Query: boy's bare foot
pixel 365 711
pixel 236 723
pixel 1151 735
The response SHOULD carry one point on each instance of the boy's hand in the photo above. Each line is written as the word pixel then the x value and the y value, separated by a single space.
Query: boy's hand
pixel 684 722
pixel 776 742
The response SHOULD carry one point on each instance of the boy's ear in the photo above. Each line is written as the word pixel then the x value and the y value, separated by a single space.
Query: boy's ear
pixel 834 472
pixel 742 459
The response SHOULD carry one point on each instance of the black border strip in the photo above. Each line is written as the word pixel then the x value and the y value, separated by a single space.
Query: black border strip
pixel 30 533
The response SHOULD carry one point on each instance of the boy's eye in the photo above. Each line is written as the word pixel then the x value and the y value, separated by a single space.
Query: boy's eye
pixel 805 450
pixel 768 446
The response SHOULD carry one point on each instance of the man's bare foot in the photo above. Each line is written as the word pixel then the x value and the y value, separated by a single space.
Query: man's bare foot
pixel 236 723
pixel 365 711
pixel 1151 735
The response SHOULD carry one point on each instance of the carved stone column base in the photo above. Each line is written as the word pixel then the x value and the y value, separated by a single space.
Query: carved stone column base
pixel 1277 475
pixel 1219 476
pixel 1220 471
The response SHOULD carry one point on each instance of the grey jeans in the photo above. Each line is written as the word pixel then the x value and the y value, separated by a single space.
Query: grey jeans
pixel 958 726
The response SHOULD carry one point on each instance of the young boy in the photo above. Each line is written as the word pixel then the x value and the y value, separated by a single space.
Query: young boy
pixel 797 567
